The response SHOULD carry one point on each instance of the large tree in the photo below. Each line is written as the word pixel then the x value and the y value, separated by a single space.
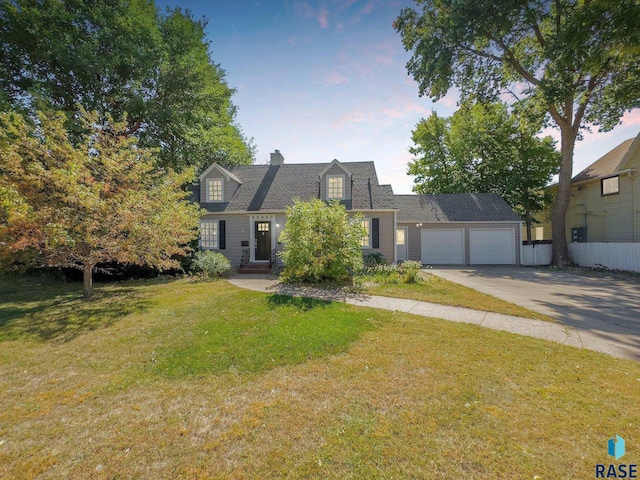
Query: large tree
pixel 483 148
pixel 117 57
pixel 99 199
pixel 574 62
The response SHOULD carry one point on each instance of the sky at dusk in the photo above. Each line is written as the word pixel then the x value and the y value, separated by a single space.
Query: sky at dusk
pixel 320 80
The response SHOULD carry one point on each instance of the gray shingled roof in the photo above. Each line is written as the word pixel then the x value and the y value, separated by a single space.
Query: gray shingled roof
pixel 454 207
pixel 266 187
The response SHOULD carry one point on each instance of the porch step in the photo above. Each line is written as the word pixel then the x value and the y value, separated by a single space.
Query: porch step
pixel 255 268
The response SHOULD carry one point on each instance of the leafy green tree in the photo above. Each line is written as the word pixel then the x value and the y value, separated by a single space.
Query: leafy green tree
pixel 574 63
pixel 482 148
pixel 101 199
pixel 117 57
pixel 321 242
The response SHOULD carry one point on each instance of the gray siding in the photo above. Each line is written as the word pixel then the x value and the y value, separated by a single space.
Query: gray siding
pixel 414 251
pixel 387 233
pixel 237 230
pixel 335 170
pixel 230 186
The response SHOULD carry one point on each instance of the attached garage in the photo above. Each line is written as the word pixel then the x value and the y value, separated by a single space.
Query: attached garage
pixel 459 229
pixel 492 246
pixel 443 247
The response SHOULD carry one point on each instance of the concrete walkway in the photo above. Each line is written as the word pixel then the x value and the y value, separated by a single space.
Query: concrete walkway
pixel 554 332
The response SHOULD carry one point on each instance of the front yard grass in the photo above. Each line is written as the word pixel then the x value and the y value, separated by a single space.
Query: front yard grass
pixel 171 379
pixel 435 289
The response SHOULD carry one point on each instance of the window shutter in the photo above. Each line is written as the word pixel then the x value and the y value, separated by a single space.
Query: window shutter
pixel 222 242
pixel 375 233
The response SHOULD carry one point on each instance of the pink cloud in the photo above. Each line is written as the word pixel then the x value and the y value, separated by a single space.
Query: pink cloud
pixel 631 118
pixel 368 8
pixel 334 79
pixel 350 118
pixel 304 9
pixel 322 17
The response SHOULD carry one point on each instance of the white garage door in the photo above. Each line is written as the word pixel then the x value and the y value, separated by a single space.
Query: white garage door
pixel 443 247
pixel 492 246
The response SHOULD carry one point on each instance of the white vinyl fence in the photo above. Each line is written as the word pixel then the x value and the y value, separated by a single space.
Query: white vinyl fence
pixel 536 254
pixel 615 256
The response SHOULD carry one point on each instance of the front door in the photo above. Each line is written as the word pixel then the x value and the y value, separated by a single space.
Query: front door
pixel 263 241
pixel 401 244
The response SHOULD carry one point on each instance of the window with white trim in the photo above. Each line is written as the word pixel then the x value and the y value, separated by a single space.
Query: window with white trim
pixel 366 240
pixel 610 186
pixel 209 234
pixel 215 189
pixel 335 187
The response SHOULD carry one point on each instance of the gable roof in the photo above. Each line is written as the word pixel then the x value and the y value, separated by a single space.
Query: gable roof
pixel 224 171
pixel 454 207
pixel 611 162
pixel 267 187
pixel 335 162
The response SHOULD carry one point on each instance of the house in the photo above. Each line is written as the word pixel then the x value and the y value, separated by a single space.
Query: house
pixel 246 207
pixel 604 198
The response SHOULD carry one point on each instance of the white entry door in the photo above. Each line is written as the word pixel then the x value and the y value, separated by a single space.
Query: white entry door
pixel 443 247
pixel 401 244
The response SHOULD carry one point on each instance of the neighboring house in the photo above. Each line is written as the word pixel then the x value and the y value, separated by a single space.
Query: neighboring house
pixel 246 213
pixel 604 198
pixel 604 205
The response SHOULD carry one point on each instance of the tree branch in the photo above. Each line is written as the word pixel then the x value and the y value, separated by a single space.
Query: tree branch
pixel 536 30
pixel 593 83
pixel 513 61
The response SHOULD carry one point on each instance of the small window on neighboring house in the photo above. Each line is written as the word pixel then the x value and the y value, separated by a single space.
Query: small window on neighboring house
pixel 214 190
pixel 335 187
pixel 366 241
pixel 208 234
pixel 610 186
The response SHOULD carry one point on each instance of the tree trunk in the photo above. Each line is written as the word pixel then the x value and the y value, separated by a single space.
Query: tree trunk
pixel 528 224
pixel 87 280
pixel 559 215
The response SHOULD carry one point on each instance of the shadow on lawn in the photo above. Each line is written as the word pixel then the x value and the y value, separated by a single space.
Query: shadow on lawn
pixel 61 314
pixel 325 293
pixel 303 303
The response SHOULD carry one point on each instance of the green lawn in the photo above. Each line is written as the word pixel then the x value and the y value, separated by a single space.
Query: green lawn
pixel 172 379
pixel 435 289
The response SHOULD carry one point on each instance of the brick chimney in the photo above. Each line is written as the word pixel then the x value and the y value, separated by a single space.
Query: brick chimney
pixel 276 158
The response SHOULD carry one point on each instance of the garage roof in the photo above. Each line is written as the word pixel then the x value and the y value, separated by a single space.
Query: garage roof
pixel 454 207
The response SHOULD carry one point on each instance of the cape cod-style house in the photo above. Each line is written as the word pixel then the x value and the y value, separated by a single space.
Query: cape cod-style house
pixel 246 207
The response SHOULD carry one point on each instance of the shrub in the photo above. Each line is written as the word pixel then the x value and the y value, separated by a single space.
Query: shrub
pixel 210 264
pixel 321 242
pixel 409 271
pixel 373 259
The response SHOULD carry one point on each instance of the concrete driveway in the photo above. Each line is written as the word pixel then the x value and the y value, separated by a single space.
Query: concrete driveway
pixel 598 307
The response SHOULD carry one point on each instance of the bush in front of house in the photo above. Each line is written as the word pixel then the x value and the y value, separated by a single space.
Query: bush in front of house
pixel 405 272
pixel 373 259
pixel 322 243
pixel 208 265
pixel 408 270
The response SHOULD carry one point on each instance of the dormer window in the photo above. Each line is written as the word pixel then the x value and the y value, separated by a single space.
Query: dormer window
pixel 215 189
pixel 335 187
